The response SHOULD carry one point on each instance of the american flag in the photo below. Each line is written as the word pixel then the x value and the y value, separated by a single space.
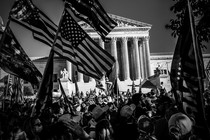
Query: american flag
pixel 44 30
pixel 92 12
pixel 184 74
pixel 15 61
pixel 92 59
pixel 66 100
pixel 26 14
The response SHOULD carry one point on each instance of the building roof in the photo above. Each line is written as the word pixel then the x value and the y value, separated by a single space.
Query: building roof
pixel 122 22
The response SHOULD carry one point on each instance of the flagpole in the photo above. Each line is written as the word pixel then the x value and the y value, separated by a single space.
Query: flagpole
pixel 6 92
pixel 65 98
pixel 140 92
pixel 1 43
pixel 195 47
pixel 50 56
pixel 56 35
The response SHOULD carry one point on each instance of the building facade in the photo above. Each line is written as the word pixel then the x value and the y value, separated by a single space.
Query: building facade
pixel 129 44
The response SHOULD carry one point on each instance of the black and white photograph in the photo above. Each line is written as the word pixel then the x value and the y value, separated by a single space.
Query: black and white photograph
pixel 104 70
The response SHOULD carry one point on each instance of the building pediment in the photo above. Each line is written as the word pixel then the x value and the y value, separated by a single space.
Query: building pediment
pixel 126 22
pixel 125 28
pixel 122 22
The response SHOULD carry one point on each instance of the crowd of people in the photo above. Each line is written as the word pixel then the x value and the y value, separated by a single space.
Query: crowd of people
pixel 100 116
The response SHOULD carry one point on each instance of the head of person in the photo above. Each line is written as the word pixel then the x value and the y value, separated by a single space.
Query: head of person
pixel 127 112
pixel 180 126
pixel 145 125
pixel 33 127
pixel 99 112
pixel 103 130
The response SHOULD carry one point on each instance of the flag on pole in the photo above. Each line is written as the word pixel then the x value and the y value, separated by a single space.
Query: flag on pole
pixel 92 60
pixel 67 102
pixel 15 61
pixel 26 14
pixel 9 86
pixel 44 95
pixel 92 12
pixel 77 93
pixel 17 96
pixel 185 75
pixel 155 80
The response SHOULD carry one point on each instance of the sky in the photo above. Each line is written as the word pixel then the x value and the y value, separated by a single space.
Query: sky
pixel 154 12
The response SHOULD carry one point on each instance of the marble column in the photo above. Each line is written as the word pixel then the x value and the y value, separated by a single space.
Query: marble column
pixel 146 40
pixel 144 55
pixel 125 58
pixel 69 69
pixel 114 54
pixel 136 56
pixel 141 58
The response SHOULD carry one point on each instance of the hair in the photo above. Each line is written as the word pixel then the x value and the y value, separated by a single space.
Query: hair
pixel 136 98
pixel 28 128
pixel 103 130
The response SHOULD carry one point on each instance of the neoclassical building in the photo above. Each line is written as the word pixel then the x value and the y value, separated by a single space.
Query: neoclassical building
pixel 129 45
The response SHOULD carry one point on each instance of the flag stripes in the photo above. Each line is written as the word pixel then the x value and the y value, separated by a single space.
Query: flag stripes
pixel 94 14
pixel 87 55
pixel 93 60
pixel 184 74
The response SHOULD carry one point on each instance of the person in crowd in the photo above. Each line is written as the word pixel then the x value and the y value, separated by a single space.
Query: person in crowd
pixel 98 116
pixel 126 127
pixel 161 123
pixel 15 127
pixel 146 128
pixel 181 127
pixel 103 127
pixel 137 101
pixel 33 128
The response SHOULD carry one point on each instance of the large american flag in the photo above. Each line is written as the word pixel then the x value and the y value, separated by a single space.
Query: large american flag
pixel 25 13
pixel 92 12
pixel 185 76
pixel 92 59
